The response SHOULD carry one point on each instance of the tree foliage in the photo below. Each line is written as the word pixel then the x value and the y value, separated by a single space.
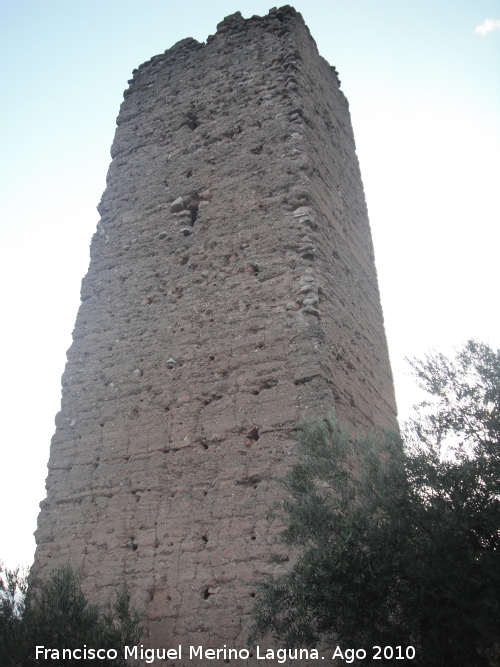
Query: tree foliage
pixel 55 614
pixel 399 543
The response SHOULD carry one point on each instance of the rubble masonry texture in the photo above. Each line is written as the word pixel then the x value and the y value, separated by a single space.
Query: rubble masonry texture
pixel 231 291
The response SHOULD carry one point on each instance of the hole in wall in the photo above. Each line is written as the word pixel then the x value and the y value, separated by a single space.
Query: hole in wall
pixel 253 434
pixel 194 213
pixel 192 121
pixel 303 380
pixel 204 538
pixel 206 594
pixel 189 174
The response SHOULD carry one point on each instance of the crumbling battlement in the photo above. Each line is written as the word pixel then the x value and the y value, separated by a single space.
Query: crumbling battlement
pixel 231 290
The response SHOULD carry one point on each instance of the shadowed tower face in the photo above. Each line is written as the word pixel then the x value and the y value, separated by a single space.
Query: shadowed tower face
pixel 231 290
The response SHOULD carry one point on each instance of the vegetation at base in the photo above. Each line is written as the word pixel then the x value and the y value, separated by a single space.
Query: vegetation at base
pixel 55 614
pixel 396 542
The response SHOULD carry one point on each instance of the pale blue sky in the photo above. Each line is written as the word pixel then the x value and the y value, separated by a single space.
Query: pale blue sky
pixel 424 92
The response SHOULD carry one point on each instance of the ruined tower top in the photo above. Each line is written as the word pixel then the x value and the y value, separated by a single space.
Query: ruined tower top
pixel 231 290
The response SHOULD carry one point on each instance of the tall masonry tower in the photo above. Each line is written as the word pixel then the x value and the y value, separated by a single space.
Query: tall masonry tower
pixel 231 291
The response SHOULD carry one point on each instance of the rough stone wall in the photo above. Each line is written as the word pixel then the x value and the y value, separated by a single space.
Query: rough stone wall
pixel 231 290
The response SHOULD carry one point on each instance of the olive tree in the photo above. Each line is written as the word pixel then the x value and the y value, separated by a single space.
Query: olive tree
pixel 396 541
pixel 55 614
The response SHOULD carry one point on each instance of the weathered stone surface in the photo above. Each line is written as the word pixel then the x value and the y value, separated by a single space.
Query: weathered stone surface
pixel 233 290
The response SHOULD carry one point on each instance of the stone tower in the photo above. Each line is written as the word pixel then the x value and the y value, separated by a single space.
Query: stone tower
pixel 231 291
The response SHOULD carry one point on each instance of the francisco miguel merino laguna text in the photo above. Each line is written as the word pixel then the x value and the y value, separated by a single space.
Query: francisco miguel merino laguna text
pixel 149 655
